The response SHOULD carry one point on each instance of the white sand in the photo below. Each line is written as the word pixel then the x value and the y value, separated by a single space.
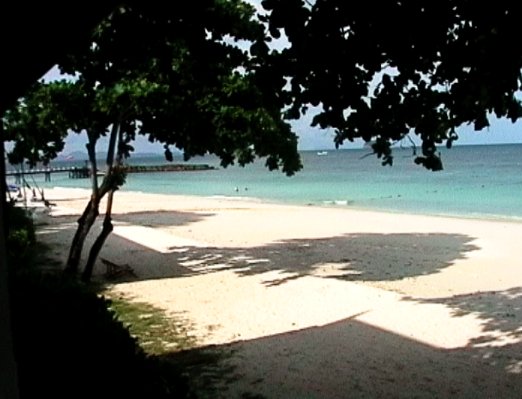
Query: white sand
pixel 324 302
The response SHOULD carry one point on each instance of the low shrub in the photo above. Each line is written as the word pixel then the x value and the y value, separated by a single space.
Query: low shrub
pixel 69 345
pixel 20 234
pixel 67 342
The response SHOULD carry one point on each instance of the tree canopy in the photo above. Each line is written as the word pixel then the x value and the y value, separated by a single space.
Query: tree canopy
pixel 37 125
pixel 383 70
pixel 175 73
pixel 379 72
pixel 172 74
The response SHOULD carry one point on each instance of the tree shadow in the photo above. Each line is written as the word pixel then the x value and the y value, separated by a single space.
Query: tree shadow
pixel 368 257
pixel 355 354
pixel 147 219
pixel 161 218
pixel 501 315
pixel 62 228
pixel 348 358
pixel 352 257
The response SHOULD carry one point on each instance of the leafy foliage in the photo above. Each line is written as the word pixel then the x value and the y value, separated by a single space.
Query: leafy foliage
pixel 381 71
pixel 37 125
pixel 413 67
pixel 172 74
pixel 63 334
pixel 20 234
pixel 66 341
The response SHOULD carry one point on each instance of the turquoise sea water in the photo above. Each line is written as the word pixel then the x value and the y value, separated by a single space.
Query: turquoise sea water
pixel 477 181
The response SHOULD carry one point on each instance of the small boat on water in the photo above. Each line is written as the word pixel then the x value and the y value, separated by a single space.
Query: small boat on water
pixel 322 153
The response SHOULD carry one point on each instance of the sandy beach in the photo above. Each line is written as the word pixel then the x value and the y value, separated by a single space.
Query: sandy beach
pixel 322 302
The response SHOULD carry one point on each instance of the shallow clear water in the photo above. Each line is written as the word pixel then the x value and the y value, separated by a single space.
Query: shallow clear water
pixel 477 181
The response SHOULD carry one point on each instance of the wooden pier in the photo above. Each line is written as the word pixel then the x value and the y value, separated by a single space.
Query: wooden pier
pixel 79 173
pixel 74 172
pixel 83 172
pixel 40 171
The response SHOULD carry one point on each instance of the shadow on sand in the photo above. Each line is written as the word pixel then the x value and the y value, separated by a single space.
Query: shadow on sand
pixel 347 359
pixel 353 257
pixel 162 218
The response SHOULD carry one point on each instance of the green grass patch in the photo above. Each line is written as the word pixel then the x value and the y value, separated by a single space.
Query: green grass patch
pixel 167 339
pixel 157 333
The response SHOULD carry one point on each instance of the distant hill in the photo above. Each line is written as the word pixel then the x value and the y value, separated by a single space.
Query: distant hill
pixel 147 154
pixel 82 155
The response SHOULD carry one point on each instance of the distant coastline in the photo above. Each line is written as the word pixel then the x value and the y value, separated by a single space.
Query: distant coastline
pixel 167 168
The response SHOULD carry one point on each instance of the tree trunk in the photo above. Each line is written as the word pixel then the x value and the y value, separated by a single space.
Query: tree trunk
pixel 100 240
pixel 8 373
pixel 116 136
pixel 91 151
pixel 91 212
pixel 90 217
pixel 85 223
